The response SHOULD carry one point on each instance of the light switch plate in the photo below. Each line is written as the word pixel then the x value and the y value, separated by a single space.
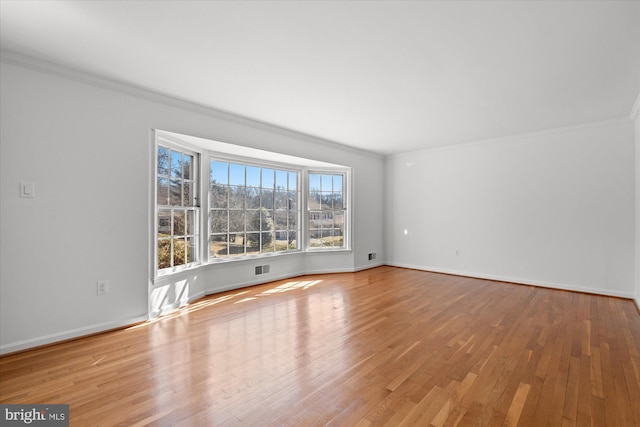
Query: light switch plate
pixel 27 189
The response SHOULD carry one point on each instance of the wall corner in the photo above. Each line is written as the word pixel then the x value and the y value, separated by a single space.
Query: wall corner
pixel 635 116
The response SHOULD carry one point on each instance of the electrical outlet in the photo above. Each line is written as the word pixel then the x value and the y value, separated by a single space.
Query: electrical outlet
pixel 372 256
pixel 102 287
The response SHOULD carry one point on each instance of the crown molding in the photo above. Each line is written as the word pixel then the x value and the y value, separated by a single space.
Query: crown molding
pixel 518 137
pixel 48 67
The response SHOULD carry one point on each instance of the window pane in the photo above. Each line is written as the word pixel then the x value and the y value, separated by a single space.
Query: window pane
pixel 267 199
pixel 253 243
pixel 191 249
pixel 176 192
pixel 236 221
pixel 327 184
pixel 178 251
pixel 163 161
pixel 163 191
pixel 260 220
pixel 314 182
pixel 253 220
pixel 338 238
pixel 281 220
pixel 176 164
pixel 282 199
pixel 267 178
pixel 327 238
pixel 314 219
pixel 292 200
pixel 327 200
pixel 236 174
pixel 219 221
pixel 268 241
pixel 314 200
pixel 188 198
pixel 338 219
pixel 337 183
pixel 218 246
pixel 266 220
pixel 164 223
pixel 187 167
pixel 236 244
pixel 293 181
pixel 293 240
pixel 315 240
pixel 327 220
pixel 281 180
pixel 219 196
pixel 178 223
pixel 253 176
pixel 164 253
pixel 236 197
pixel 293 220
pixel 253 198
pixel 282 243
pixel 219 172
pixel 190 222
pixel 337 201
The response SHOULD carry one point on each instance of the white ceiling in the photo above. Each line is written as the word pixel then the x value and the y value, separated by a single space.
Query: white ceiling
pixel 384 76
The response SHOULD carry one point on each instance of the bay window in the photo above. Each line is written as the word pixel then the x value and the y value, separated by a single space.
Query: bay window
pixel 252 207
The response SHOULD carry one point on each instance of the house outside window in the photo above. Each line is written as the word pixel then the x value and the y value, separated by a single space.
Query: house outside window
pixel 326 210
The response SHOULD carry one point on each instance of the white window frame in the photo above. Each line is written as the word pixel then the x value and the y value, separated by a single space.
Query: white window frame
pixel 248 161
pixel 202 160
pixel 171 144
pixel 346 202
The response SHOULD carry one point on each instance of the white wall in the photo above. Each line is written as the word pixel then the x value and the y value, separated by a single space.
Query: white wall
pixel 636 112
pixel 86 145
pixel 554 209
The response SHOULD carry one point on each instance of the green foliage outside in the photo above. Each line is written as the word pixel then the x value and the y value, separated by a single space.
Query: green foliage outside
pixel 179 252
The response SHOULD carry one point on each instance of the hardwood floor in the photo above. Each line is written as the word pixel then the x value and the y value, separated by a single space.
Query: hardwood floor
pixel 386 346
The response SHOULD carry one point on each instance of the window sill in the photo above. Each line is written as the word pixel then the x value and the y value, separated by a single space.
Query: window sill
pixel 168 277
pixel 328 251
pixel 252 258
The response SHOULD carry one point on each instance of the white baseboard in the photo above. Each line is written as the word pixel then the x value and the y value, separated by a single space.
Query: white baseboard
pixel 518 281
pixel 70 334
pixel 329 271
pixel 266 278
pixel 368 266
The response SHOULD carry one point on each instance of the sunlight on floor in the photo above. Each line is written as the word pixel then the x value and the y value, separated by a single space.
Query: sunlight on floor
pixel 207 302
pixel 291 286
pixel 245 300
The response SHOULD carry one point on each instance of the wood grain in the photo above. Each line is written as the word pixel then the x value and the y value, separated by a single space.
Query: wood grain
pixel 381 347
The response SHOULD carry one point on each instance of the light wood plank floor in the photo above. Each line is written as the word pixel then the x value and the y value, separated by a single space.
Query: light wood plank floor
pixel 386 346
